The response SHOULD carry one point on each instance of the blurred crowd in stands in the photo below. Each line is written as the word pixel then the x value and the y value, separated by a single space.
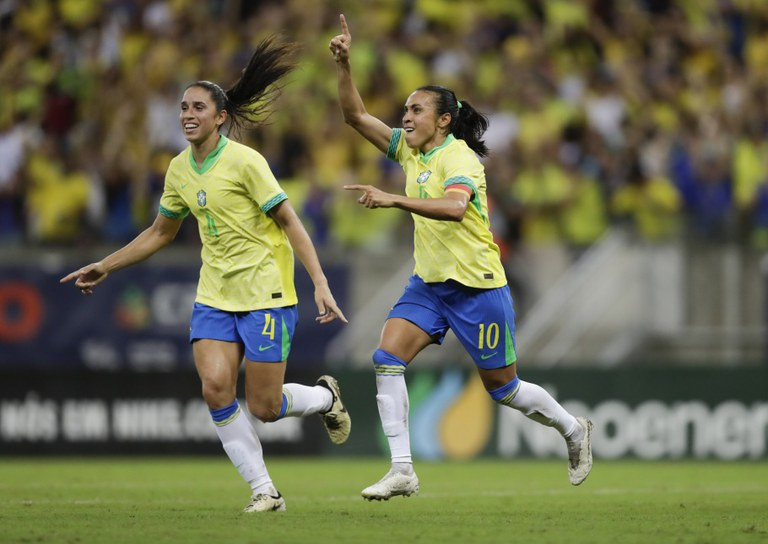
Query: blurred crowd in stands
pixel 647 113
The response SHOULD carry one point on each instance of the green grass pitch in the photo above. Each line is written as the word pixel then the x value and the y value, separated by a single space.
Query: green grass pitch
pixel 199 500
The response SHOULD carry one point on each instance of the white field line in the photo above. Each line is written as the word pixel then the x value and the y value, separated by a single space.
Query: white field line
pixel 602 491
pixel 713 490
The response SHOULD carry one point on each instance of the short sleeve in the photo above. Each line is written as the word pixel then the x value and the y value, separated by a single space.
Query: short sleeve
pixel 171 203
pixel 462 171
pixel 261 184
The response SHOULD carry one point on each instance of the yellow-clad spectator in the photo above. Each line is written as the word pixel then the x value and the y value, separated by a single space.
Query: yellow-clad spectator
pixel 542 118
pixel 750 157
pixel 651 204
pixel 35 20
pixel 584 219
pixel 80 13
pixel 542 188
pixel 563 15
pixel 57 196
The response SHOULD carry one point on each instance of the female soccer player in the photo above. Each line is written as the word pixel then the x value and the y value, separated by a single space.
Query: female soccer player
pixel 458 282
pixel 246 299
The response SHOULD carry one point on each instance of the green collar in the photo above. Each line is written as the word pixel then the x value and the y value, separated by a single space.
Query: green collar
pixel 211 158
pixel 426 156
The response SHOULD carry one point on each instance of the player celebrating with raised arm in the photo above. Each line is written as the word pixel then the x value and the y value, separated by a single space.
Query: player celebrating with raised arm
pixel 458 282
pixel 246 300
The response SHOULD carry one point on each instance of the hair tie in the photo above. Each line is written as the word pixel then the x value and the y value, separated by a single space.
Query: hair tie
pixel 458 103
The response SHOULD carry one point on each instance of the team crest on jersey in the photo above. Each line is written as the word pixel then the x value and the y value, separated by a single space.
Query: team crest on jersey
pixel 424 176
pixel 201 200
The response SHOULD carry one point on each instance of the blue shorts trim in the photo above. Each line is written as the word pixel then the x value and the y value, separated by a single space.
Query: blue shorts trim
pixel 482 319
pixel 265 334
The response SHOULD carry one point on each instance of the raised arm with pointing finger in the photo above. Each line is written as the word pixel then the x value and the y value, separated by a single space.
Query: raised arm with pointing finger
pixel 458 281
pixel 352 107
pixel 450 207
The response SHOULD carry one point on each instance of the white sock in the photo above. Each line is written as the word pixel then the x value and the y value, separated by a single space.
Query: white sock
pixel 244 450
pixel 304 400
pixel 392 401
pixel 405 468
pixel 540 406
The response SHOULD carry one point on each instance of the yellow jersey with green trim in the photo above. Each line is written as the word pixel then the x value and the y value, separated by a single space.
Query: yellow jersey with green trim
pixel 463 251
pixel 247 261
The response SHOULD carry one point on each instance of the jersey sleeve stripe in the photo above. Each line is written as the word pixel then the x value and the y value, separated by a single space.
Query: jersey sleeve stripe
pixel 467 182
pixel 174 215
pixel 274 201
pixel 394 140
pixel 460 180
pixel 459 187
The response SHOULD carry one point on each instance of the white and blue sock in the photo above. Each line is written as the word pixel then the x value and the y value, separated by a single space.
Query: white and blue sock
pixel 538 405
pixel 392 402
pixel 303 400
pixel 243 447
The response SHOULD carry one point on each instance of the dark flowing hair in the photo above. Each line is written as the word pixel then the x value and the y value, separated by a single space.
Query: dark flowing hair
pixel 247 101
pixel 466 122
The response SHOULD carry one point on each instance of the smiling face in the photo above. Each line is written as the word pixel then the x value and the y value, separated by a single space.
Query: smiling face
pixel 424 129
pixel 198 117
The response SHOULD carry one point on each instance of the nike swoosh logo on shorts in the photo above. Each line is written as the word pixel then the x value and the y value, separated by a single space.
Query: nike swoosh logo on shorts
pixel 264 348
pixel 484 357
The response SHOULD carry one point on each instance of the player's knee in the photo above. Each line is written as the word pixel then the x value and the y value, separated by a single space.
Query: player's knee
pixel 216 393
pixel 264 409
pixel 387 364
pixel 506 393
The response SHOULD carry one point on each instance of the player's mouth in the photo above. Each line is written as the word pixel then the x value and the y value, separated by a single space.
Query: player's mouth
pixel 189 127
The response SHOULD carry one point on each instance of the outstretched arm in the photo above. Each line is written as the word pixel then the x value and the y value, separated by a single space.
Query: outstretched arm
pixel 352 107
pixel 302 244
pixel 450 207
pixel 157 236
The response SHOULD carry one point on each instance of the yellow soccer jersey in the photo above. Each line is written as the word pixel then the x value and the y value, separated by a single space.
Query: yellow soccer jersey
pixel 247 259
pixel 462 251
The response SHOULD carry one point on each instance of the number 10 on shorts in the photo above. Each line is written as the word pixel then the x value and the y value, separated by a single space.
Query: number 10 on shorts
pixel 488 336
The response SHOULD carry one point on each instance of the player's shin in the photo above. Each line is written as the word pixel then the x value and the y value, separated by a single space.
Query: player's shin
pixel 302 400
pixel 392 402
pixel 242 446
pixel 538 405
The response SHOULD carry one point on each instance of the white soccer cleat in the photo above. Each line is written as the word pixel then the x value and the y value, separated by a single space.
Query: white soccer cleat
pixel 265 503
pixel 580 454
pixel 391 485
pixel 336 420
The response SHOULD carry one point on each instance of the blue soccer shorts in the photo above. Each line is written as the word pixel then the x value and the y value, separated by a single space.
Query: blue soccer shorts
pixel 482 319
pixel 266 334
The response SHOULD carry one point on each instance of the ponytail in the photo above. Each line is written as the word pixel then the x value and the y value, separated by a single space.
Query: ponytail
pixel 466 122
pixel 247 101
